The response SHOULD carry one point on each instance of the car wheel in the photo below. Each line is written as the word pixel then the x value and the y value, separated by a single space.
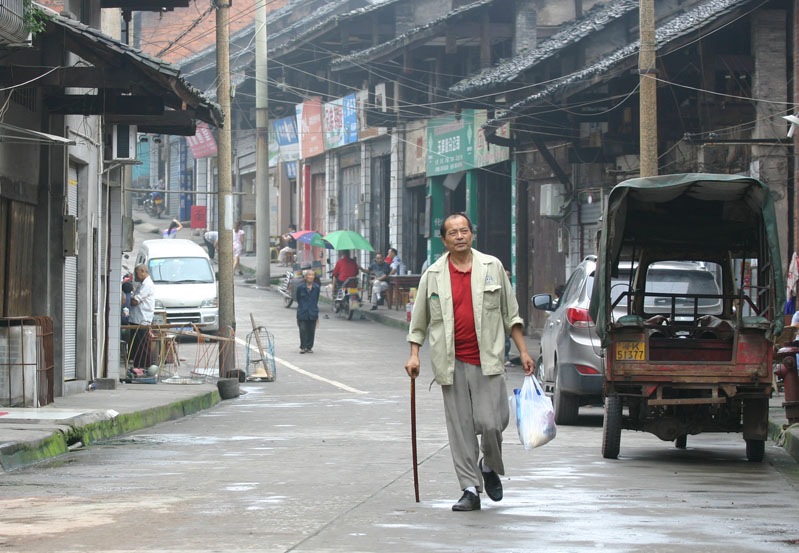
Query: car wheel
pixel 681 442
pixel 566 405
pixel 611 428
pixel 755 450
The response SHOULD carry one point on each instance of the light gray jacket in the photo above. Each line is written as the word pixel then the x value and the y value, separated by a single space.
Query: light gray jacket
pixel 495 313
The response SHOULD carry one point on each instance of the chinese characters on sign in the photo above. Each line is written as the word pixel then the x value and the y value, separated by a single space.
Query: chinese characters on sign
pixel 457 143
pixel 340 122
pixel 202 144
pixel 287 139
pixel 309 121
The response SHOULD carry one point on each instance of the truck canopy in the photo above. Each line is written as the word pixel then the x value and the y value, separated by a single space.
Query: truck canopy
pixel 691 214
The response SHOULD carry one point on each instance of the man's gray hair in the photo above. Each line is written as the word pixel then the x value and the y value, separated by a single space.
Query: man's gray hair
pixel 143 267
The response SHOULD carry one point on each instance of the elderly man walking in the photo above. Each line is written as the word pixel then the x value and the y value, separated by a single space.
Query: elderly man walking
pixel 466 305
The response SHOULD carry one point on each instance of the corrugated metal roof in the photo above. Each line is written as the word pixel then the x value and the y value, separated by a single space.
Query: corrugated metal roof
pixel 593 20
pixel 207 111
pixel 429 29
pixel 679 26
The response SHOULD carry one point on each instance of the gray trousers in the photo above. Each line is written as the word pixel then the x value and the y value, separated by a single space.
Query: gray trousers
pixel 475 404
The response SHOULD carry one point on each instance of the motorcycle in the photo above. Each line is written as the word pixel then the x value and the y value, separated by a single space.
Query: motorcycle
pixel 347 298
pixel 154 204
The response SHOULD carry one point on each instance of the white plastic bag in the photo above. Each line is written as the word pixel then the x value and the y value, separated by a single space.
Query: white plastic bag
pixel 535 417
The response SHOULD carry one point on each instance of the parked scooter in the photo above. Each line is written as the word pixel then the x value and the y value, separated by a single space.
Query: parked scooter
pixel 154 204
pixel 347 298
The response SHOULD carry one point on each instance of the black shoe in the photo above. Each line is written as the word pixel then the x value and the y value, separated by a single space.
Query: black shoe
pixel 374 308
pixel 492 484
pixel 468 502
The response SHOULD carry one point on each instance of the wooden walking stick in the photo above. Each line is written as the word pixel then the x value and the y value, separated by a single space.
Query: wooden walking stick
pixel 413 438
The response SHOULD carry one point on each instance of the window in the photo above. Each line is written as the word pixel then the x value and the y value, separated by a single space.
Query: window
pixel 181 270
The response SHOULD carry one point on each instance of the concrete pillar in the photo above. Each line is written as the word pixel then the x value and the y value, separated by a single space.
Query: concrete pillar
pixel 769 163
pixel 526 25
pixel 397 193
pixel 115 210
pixel 435 190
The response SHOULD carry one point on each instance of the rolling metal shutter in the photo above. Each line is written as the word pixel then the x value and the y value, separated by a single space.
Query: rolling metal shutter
pixel 71 286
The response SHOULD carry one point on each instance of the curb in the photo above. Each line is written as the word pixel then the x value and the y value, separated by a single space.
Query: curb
pixel 787 438
pixel 89 429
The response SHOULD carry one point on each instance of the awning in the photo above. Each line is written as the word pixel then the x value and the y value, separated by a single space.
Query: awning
pixel 124 73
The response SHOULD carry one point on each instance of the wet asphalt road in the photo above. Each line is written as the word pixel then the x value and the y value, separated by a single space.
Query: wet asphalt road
pixel 320 461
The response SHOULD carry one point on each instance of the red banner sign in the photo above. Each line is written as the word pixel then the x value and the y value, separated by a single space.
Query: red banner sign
pixel 202 144
pixel 198 216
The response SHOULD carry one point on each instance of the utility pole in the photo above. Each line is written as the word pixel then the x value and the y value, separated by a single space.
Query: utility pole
pixel 227 313
pixel 795 135
pixel 262 220
pixel 648 103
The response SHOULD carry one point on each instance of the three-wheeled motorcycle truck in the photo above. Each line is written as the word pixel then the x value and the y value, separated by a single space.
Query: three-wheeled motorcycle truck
pixel 689 355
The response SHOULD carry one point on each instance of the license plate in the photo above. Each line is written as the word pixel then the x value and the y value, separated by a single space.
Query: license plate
pixel 630 351
pixel 353 291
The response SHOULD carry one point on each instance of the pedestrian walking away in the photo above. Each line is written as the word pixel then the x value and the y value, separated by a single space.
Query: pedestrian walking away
pixel 238 247
pixel 142 310
pixel 308 310
pixel 467 355
pixel 211 238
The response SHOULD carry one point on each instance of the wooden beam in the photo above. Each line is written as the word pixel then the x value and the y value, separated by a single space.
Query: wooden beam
pixel 145 5
pixel 485 43
pixel 103 104
pixel 552 162
pixel 179 123
pixel 78 77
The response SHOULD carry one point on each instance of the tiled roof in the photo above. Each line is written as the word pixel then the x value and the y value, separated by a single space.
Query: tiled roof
pixel 593 20
pixel 325 25
pixel 417 33
pixel 163 73
pixel 681 25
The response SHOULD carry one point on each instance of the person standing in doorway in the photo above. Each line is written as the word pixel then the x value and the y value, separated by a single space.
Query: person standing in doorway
pixel 467 354
pixel 142 310
pixel 238 246
pixel 308 310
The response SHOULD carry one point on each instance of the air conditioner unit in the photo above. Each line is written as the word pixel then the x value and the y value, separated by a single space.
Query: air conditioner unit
pixel 12 22
pixel 120 144
pixel 551 200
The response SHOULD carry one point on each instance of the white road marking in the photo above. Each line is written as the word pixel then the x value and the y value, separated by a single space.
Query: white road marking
pixel 295 368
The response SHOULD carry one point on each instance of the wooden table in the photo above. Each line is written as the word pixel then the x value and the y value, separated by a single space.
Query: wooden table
pixel 398 287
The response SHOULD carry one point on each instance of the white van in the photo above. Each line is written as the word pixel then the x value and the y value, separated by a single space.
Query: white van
pixel 185 283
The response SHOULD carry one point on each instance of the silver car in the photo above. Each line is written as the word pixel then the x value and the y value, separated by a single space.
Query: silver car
pixel 571 362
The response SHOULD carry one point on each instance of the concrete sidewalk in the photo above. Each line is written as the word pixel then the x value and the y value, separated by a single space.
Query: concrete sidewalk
pixel 30 435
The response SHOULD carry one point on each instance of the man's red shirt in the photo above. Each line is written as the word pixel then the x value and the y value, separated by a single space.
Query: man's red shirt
pixel 345 268
pixel 466 347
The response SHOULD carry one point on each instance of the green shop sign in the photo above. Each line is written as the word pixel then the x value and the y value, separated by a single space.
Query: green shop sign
pixel 455 144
